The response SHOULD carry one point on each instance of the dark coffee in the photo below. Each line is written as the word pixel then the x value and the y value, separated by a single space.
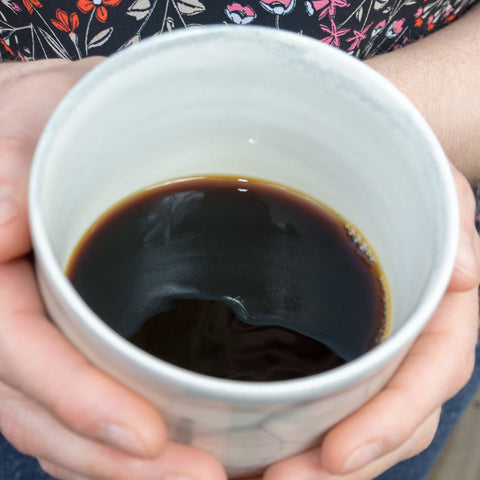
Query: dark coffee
pixel 232 278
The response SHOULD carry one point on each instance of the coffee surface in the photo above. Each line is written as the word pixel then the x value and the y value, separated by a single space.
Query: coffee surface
pixel 234 279
pixel 206 336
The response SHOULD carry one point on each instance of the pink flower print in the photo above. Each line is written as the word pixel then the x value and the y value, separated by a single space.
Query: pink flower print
pixel 430 24
pixel 11 5
pixel 378 28
pixel 395 28
pixel 449 15
pixel 418 16
pixel 239 14
pixel 333 34
pixel 325 7
pixel 358 36
pixel 401 45
pixel 278 7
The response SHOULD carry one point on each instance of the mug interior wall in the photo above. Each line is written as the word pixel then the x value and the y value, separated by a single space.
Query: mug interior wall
pixel 298 123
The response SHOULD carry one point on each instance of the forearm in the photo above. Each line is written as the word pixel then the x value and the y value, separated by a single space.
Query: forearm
pixel 441 76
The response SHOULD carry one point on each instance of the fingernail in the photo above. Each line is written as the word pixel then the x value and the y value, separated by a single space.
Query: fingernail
pixel 361 457
pixel 8 206
pixel 122 438
pixel 466 260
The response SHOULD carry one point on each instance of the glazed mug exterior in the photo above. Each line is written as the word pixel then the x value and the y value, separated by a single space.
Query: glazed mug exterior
pixel 249 102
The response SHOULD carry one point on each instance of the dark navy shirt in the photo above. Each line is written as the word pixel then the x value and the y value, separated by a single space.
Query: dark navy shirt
pixel 34 29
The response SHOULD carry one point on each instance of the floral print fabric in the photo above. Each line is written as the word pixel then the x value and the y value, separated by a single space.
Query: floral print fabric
pixel 72 29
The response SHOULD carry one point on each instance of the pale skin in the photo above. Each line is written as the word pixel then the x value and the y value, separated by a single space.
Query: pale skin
pixel 81 424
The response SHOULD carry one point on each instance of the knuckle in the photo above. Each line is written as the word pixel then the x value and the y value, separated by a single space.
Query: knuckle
pixel 34 80
pixel 47 80
pixel 401 433
pixel 465 193
pixel 465 367
pixel 425 434
pixel 52 469
pixel 45 85
pixel 428 432
pixel 11 428
pixel 12 432
pixel 463 362
pixel 10 70
pixel 111 467
pixel 398 429
pixel 12 150
pixel 15 70
pixel 74 412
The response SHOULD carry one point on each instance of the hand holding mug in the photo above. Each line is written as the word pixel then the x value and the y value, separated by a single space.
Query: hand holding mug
pixel 56 406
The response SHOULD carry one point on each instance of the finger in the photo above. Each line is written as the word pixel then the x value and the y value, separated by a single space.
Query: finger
pixel 29 95
pixel 36 359
pixel 14 70
pixel 466 273
pixel 68 455
pixel 14 171
pixel 60 473
pixel 179 462
pixel 437 366
pixel 308 465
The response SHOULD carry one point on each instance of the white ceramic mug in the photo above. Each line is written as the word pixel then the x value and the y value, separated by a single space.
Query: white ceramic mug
pixel 259 103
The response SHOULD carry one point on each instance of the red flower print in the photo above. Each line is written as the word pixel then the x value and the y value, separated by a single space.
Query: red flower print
pixel 30 4
pixel 67 24
pixel 324 7
pixel 449 15
pixel 418 15
pixel 333 34
pixel 101 12
pixel 278 7
pixel 239 14
pixel 6 47
pixel 64 22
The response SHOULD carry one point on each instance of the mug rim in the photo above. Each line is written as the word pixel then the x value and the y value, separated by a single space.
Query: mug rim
pixel 279 392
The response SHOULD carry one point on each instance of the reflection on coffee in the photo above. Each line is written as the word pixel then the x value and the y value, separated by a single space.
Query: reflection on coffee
pixel 233 278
